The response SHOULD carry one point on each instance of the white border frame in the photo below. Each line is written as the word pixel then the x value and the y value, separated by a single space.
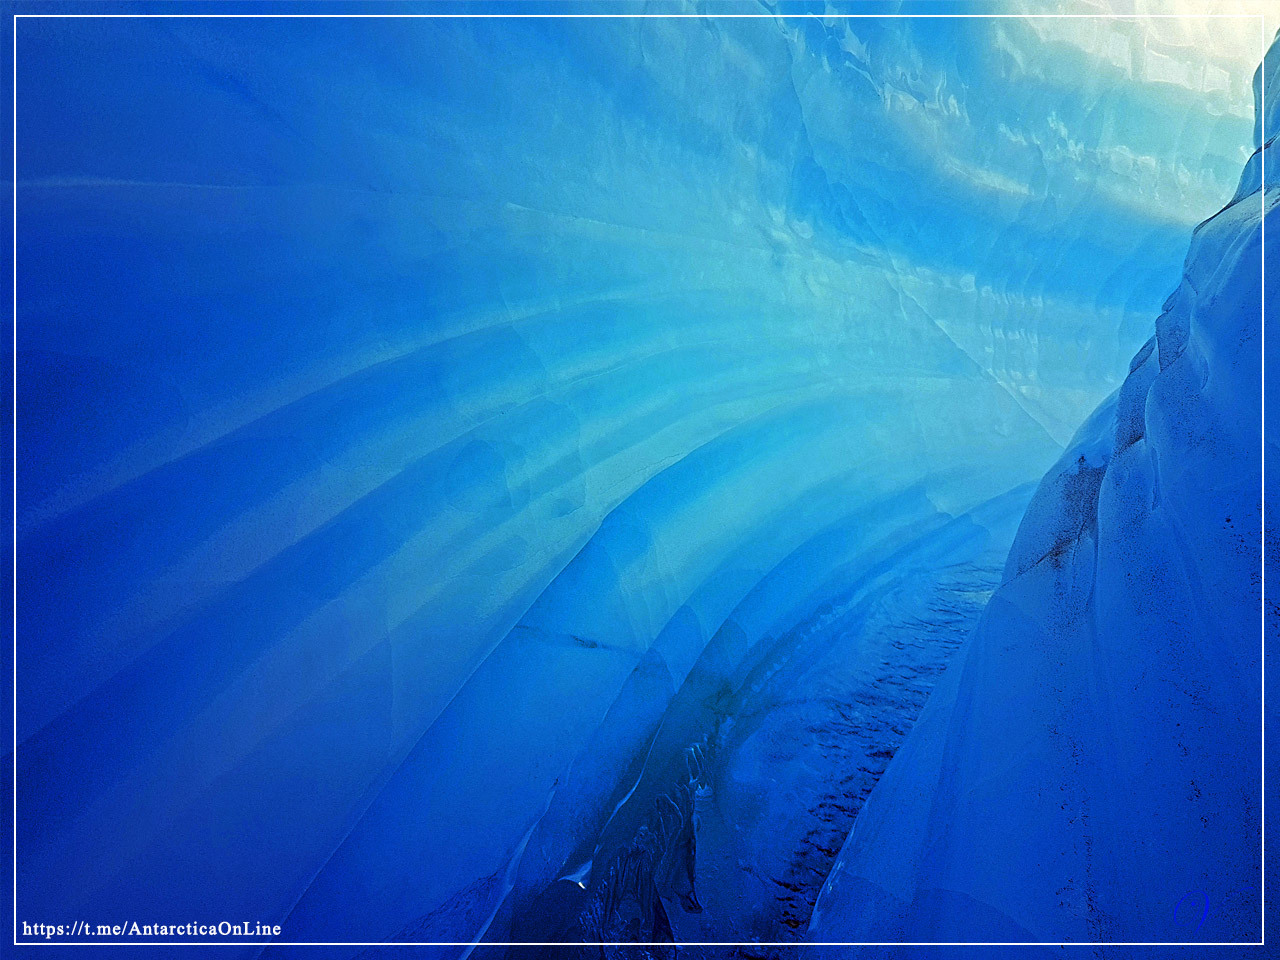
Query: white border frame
pixel 471 945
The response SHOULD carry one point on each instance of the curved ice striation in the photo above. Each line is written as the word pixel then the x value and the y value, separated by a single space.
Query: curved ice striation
pixel 1091 768
pixel 488 478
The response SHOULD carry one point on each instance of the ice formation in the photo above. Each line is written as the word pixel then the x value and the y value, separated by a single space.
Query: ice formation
pixel 489 479
pixel 1093 761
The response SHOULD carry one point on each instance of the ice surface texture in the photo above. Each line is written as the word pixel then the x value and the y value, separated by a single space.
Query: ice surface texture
pixel 432 434
pixel 1090 768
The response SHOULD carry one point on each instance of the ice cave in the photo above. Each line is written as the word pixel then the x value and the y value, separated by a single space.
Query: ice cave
pixel 625 481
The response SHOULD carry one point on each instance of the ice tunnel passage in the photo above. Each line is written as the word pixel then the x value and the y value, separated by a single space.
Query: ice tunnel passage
pixel 523 479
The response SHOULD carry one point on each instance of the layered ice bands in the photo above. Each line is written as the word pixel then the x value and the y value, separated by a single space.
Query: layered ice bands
pixel 522 479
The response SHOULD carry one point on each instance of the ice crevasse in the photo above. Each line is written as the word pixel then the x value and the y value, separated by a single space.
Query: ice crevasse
pixel 435 495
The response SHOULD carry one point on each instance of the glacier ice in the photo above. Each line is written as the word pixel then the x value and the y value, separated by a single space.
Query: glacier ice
pixel 1093 759
pixel 455 455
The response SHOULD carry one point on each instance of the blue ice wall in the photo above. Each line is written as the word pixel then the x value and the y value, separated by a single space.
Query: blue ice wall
pixel 1090 768
pixel 406 408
